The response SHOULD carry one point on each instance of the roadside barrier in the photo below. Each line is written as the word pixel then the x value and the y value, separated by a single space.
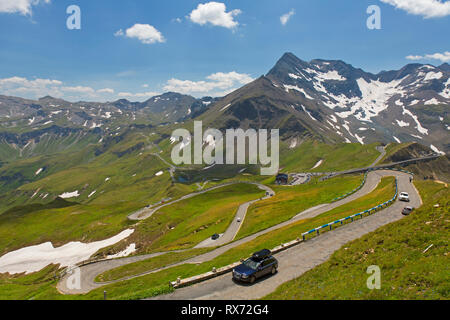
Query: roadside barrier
pixel 392 169
pixel 179 283
pixel 353 217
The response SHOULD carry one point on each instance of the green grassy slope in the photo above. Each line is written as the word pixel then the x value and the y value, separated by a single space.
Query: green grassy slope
pixel 189 222
pixel 156 283
pixel 338 157
pixel 407 272
pixel 290 201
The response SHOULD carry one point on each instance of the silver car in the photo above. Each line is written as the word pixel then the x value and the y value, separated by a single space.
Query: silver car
pixel 404 196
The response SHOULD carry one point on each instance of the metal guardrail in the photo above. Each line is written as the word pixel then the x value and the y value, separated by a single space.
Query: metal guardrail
pixel 353 217
pixel 179 283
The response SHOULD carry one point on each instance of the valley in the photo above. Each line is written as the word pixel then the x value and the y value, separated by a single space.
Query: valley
pixel 100 178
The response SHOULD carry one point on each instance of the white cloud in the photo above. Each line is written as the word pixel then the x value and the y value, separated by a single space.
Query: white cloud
pixel 145 33
pixel 217 84
pixel 444 57
pixel 37 88
pixel 106 90
pixel 425 8
pixel 230 77
pixel 78 89
pixel 118 33
pixel 30 88
pixel 284 19
pixel 214 13
pixel 20 6
pixel 139 96
pixel 414 57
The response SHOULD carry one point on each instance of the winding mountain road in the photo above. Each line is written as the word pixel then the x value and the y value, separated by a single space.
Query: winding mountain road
pixel 288 266
pixel 147 213
pixel 297 260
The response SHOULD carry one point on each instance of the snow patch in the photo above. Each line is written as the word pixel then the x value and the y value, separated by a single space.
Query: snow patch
pixel 226 107
pixel 360 139
pixel 32 259
pixel 289 87
pixel 402 123
pixel 293 144
pixel 419 127
pixel 436 150
pixel 125 253
pixel 433 101
pixel 309 113
pixel 433 75
pixel 68 195
pixel 318 164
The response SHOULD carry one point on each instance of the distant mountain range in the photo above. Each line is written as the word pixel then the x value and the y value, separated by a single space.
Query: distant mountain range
pixel 324 99
pixel 337 102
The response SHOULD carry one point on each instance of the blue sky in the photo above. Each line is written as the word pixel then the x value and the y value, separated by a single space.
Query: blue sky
pixel 201 50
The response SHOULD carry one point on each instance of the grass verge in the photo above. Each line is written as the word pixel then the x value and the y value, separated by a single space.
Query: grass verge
pixel 289 201
pixel 407 271
pixel 157 283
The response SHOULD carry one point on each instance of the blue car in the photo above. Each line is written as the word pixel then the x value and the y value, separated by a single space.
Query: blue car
pixel 259 265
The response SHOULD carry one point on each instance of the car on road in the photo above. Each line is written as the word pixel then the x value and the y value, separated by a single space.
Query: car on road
pixel 262 263
pixel 407 211
pixel 215 236
pixel 404 196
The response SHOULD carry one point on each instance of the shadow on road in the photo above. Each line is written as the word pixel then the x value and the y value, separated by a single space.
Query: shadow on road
pixel 247 284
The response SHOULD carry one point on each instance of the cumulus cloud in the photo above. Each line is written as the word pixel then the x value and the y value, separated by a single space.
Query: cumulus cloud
pixel 145 33
pixel 214 13
pixel 217 84
pixel 425 8
pixel 230 78
pixel 444 57
pixel 37 88
pixel 78 89
pixel 20 6
pixel 284 19
pixel 106 90
pixel 138 96
pixel 30 88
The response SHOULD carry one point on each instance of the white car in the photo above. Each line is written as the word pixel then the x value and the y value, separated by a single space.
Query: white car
pixel 404 196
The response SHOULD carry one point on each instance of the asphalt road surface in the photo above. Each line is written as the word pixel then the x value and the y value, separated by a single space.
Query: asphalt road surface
pixel 297 260
pixel 293 262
